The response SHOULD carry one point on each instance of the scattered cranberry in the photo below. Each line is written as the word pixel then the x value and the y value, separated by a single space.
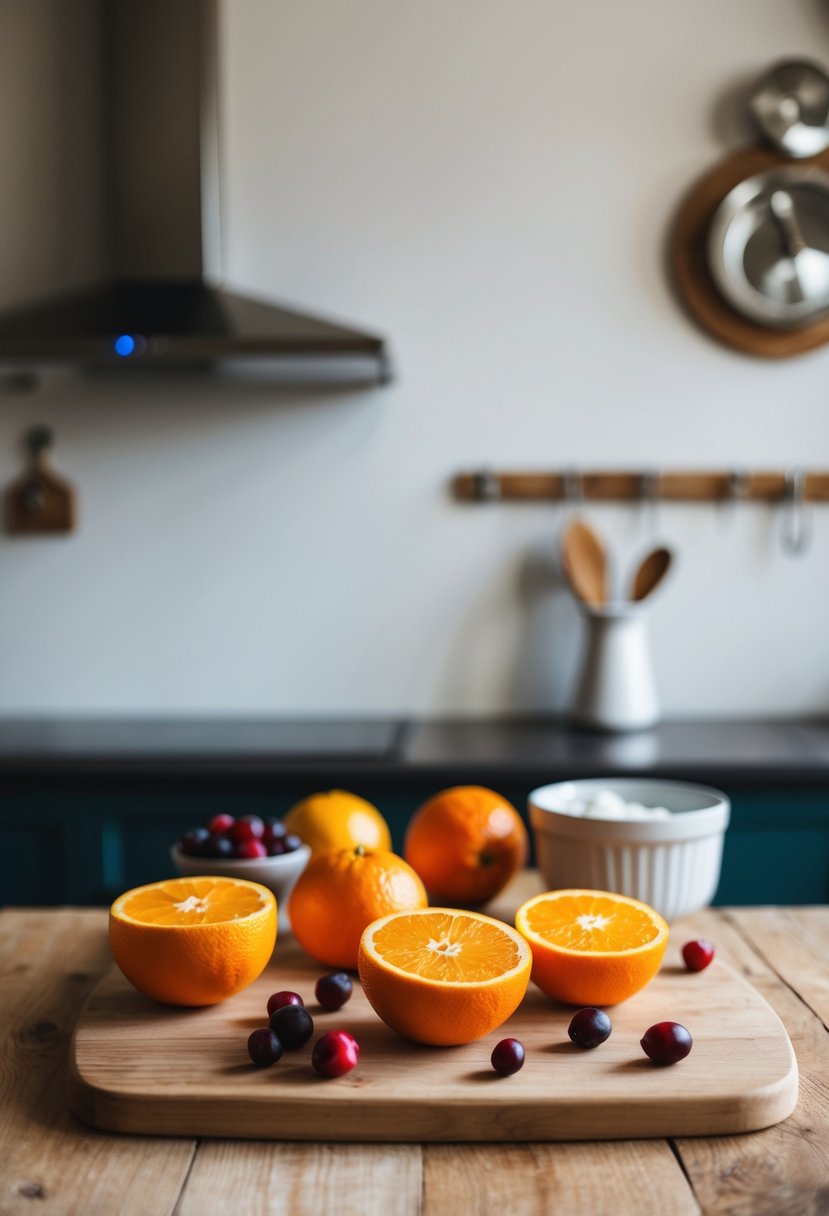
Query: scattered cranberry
pixel 698 954
pixel 335 1053
pixel 220 824
pixel 193 842
pixel 666 1043
pixel 276 847
pixel 293 1025
pixel 589 1027
pixel 332 991
pixel 280 999
pixel 508 1057
pixel 249 827
pixel 251 849
pixel 264 1048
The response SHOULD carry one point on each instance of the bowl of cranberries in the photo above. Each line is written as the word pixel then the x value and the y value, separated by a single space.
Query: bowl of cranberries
pixel 262 850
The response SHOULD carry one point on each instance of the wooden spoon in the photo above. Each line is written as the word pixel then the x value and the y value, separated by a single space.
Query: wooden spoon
pixel 652 569
pixel 585 563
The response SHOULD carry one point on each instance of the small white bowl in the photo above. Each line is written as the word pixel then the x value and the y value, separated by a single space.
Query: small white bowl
pixel 671 864
pixel 278 874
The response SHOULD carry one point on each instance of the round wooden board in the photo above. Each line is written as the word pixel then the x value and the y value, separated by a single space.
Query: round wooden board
pixel 689 264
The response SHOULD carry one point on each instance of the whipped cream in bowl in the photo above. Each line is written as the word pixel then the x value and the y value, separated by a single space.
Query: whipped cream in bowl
pixel 655 840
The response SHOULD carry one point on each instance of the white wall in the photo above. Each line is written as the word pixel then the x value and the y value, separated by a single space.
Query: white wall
pixel 490 184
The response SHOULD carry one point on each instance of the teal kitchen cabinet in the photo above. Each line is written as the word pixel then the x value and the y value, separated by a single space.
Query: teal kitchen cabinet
pixel 90 843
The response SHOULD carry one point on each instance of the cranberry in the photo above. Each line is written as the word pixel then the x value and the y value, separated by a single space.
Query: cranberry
pixel 698 954
pixel 293 1025
pixel 193 842
pixel 264 1048
pixel 280 999
pixel 275 847
pixel 250 849
pixel 666 1043
pixel 508 1057
pixel 220 824
pixel 249 827
pixel 274 830
pixel 219 846
pixel 332 991
pixel 292 843
pixel 589 1027
pixel 335 1053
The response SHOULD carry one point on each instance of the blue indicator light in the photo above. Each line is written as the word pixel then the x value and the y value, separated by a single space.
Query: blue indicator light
pixel 124 345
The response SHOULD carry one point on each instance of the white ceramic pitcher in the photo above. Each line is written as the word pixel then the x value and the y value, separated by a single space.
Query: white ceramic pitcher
pixel 615 689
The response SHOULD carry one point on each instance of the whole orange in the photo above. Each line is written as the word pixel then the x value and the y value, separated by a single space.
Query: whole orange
pixel 466 843
pixel 341 892
pixel 336 819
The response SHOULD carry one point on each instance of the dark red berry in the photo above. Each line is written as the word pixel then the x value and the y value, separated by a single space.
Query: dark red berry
pixel 508 1057
pixel 698 954
pixel 293 1025
pixel 219 846
pixel 666 1043
pixel 219 824
pixel 250 849
pixel 249 827
pixel 335 1053
pixel 274 830
pixel 332 991
pixel 280 999
pixel 589 1027
pixel 292 843
pixel 193 842
pixel 275 847
pixel 264 1048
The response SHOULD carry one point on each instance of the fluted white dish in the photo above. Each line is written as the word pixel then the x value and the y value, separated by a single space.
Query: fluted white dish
pixel 672 864
pixel 278 874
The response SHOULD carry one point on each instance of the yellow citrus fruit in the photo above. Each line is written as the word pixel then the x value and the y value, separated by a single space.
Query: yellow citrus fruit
pixel 442 976
pixel 592 947
pixel 342 891
pixel 466 843
pixel 336 820
pixel 193 941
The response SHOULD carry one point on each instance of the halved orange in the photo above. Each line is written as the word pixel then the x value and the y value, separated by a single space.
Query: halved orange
pixel 441 976
pixel 592 947
pixel 193 941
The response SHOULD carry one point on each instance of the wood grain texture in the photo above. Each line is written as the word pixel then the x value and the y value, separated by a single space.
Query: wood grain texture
pixel 50 1163
pixel 304 1179
pixel 607 485
pixel 795 942
pixel 141 1067
pixel 690 266
pixel 784 1170
pixel 537 1179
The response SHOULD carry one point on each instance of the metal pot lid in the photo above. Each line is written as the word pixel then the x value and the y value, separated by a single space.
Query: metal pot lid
pixel 790 105
pixel 768 247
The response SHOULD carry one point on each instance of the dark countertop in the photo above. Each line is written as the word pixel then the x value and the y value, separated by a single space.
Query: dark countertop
pixel 457 750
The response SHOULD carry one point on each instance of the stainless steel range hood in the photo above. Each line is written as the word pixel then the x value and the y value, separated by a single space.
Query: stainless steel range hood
pixel 163 303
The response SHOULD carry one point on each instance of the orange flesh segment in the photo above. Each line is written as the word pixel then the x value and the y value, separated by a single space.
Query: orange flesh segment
pixel 454 949
pixel 592 924
pixel 199 901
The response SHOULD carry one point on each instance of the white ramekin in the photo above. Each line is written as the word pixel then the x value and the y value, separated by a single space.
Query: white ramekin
pixel 672 864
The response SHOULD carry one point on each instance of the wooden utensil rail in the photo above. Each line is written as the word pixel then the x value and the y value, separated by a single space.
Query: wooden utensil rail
pixel 645 486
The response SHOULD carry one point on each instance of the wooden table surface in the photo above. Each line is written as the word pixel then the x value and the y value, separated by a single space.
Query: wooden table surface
pixel 50 1163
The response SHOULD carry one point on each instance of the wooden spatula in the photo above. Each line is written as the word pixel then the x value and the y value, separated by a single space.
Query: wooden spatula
pixel 652 569
pixel 585 563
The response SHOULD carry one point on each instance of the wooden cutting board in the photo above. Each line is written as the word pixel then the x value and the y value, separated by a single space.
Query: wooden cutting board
pixel 136 1066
